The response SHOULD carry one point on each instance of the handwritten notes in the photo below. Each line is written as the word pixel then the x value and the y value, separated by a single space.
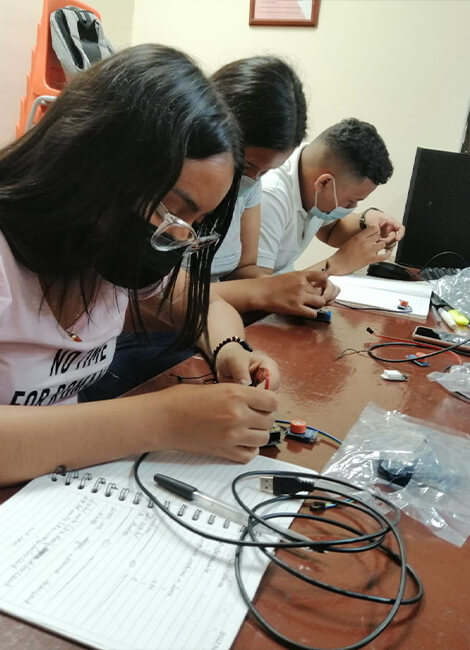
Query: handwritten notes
pixel 108 569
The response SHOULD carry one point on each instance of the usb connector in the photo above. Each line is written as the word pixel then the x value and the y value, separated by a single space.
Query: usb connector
pixel 285 485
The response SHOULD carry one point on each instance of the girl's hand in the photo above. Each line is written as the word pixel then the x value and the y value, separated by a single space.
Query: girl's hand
pixel 227 420
pixel 236 365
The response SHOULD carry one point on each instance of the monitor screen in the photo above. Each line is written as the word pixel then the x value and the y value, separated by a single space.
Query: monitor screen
pixel 437 212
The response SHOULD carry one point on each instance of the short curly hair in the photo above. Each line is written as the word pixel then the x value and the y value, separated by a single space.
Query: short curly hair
pixel 358 145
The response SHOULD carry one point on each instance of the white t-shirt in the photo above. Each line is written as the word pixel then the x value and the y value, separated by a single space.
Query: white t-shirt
pixel 40 364
pixel 228 256
pixel 286 228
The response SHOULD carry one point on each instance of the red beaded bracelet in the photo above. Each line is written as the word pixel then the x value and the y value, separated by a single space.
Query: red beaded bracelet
pixel 231 339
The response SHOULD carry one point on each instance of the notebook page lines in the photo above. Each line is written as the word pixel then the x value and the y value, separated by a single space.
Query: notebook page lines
pixel 133 585
pixel 117 575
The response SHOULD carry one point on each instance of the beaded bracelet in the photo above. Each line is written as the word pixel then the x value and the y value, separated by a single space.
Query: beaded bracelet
pixel 230 339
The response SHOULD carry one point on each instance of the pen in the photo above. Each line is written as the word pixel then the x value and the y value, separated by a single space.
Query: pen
pixel 217 506
pixel 436 315
pixel 207 502
pixel 447 318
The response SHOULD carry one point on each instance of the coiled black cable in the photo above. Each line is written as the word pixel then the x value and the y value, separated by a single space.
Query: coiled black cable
pixel 357 542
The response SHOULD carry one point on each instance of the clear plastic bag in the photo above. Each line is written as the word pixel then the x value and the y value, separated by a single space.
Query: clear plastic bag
pixel 422 470
pixel 455 290
pixel 456 380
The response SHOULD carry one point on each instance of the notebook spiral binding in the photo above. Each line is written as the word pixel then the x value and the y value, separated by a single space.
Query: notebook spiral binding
pixel 97 485
pixel 73 478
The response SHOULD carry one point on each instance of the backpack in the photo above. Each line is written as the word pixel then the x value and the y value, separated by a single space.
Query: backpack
pixel 78 39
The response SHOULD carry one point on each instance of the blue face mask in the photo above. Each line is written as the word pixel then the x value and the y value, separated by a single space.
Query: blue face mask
pixel 246 183
pixel 337 213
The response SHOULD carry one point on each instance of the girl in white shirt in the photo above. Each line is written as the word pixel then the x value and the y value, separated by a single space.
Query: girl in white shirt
pixel 266 96
pixel 130 168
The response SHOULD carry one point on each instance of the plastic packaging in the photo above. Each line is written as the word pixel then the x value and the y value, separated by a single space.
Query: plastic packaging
pixel 423 471
pixel 456 380
pixel 455 290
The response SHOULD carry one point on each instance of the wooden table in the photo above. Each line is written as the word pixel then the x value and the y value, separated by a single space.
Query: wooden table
pixel 330 393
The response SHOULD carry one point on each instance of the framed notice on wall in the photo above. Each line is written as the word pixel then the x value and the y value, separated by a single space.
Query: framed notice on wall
pixel 294 13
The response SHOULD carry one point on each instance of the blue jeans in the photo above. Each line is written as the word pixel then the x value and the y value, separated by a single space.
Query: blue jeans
pixel 135 361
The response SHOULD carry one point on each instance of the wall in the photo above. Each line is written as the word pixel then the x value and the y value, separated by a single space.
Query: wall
pixel 401 64
pixel 18 37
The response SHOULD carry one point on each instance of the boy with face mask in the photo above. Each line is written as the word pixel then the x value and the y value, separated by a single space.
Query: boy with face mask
pixel 315 193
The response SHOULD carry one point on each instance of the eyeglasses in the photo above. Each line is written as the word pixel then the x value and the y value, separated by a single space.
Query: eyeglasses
pixel 174 233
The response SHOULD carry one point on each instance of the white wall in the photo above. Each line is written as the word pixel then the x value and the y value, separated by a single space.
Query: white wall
pixel 18 37
pixel 403 65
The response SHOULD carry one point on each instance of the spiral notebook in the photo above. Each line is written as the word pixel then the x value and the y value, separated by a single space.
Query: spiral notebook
pixel 88 557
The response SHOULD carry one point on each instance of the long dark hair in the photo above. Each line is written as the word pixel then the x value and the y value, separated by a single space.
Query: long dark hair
pixel 89 174
pixel 266 97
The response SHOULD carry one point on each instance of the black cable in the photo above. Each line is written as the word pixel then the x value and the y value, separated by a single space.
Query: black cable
pixel 290 643
pixel 428 262
pixel 415 273
pixel 354 594
pixel 377 346
pixel 305 476
pixel 302 486
pixel 197 531
pixel 208 377
pixel 458 395
pixel 437 255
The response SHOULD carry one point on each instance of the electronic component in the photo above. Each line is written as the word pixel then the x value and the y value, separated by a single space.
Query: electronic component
pixel 276 435
pixel 395 472
pixel 323 316
pixel 295 429
pixel 285 485
pixel 403 305
pixel 393 375
pixel 298 426
pixel 416 360
pixel 298 430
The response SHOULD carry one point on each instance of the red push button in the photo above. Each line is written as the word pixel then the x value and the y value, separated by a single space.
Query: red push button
pixel 298 426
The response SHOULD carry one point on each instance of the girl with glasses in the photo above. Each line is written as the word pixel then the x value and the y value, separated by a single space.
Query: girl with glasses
pixel 266 97
pixel 82 232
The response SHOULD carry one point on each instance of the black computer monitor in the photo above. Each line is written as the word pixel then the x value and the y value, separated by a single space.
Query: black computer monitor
pixel 437 212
